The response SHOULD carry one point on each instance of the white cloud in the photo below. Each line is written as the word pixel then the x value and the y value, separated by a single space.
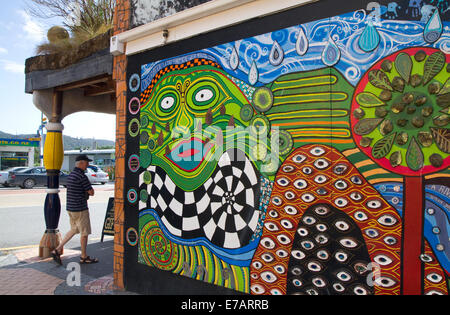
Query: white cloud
pixel 34 31
pixel 12 66
pixel 3 50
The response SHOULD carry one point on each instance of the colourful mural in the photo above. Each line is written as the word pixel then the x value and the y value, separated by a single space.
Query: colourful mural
pixel 310 160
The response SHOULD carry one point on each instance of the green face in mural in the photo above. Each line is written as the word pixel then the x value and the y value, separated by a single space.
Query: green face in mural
pixel 184 120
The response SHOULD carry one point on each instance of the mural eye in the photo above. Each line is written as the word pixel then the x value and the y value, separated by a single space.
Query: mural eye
pixel 273 214
pixel 321 227
pixel 283 239
pixel 387 220
pixel 272 227
pixel 434 277
pixel 277 201
pixel 312 292
pixel 302 232
pixel 322 210
pixel 280 269
pixel 307 170
pixel 299 158
pixel 308 198
pixel 434 292
pixel 341 256
pixel 268 277
pixel 341 202
pixel 342 226
pixel 257 289
pixel 372 233
pixel 426 258
pixel 314 266
pixel 385 282
pixel 317 151
pixel 360 290
pixel 320 179
pixel 374 204
pixel 289 195
pixel 287 224
pixel 383 260
pixel 308 245
pixel 356 196
pixel 267 257
pixel 338 287
pixel 291 210
pixel 319 282
pixel 341 184
pixel 167 103
pixel 282 253
pixel 323 254
pixel 283 182
pixel 288 169
pixel 297 254
pixel 257 265
pixel 322 191
pixel 275 292
pixel 356 180
pixel 254 276
pixel 297 283
pixel 300 184
pixel 340 169
pixel 321 164
pixel 309 220
pixel 390 240
pixel 344 276
pixel 348 242
pixel 361 216
pixel 204 95
pixel 268 243
pixel 360 268
pixel 321 239
pixel 296 271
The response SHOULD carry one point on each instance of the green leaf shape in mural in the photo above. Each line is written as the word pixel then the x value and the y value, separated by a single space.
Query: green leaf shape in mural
pixel 434 64
pixel 446 88
pixel 383 146
pixel 414 156
pixel 367 99
pixel 366 126
pixel 404 64
pixel 417 110
pixel 380 80
pixel 442 138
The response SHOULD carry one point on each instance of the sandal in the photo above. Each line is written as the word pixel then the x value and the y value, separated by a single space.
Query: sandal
pixel 88 260
pixel 57 257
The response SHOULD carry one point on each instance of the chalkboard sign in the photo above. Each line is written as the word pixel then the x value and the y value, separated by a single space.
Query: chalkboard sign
pixel 108 225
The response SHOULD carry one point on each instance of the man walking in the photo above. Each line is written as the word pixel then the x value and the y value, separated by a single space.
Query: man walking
pixel 78 191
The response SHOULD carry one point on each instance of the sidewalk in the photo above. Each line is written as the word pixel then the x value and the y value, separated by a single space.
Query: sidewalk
pixel 23 273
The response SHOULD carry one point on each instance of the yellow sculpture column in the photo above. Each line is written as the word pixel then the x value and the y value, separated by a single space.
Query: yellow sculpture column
pixel 53 159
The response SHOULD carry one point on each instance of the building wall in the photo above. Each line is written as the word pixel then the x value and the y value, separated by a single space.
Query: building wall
pixel 300 153
pixel 26 158
pixel 146 11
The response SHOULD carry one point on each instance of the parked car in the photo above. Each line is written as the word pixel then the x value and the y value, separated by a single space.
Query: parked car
pixel 96 175
pixel 5 175
pixel 35 176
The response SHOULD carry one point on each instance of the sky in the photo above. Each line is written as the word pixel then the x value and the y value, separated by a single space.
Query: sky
pixel 20 33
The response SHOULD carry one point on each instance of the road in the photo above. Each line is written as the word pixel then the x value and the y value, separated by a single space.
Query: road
pixel 22 221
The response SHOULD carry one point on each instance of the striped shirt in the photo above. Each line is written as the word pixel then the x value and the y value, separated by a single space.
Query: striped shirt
pixel 77 186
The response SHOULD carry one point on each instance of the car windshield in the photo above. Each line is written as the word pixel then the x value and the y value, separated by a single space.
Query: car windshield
pixel 23 170
pixel 94 168
pixel 15 169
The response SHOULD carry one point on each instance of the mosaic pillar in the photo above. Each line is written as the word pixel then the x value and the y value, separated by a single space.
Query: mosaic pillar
pixel 53 159
pixel 121 24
